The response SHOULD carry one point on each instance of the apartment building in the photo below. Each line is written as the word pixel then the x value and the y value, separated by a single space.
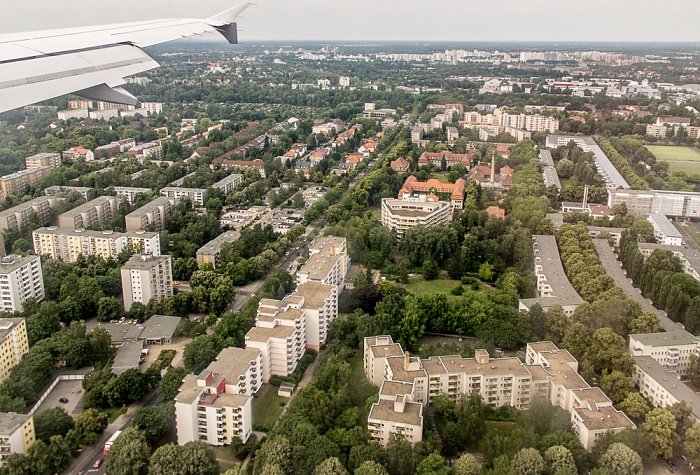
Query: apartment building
pixel 20 279
pixel 663 387
pixel 150 150
pixel 17 182
pixel 80 153
pixel 228 184
pixel 664 230
pixel 553 286
pixel 216 405
pixel 210 252
pixel 129 193
pixel 328 262
pixel 13 344
pixel 21 216
pixel 680 204
pixel 548 372
pixel 92 213
pixel 50 160
pixel 146 277
pixel 403 214
pixel 68 244
pixel 612 177
pixel 280 336
pixel 690 258
pixel 454 193
pixel 319 302
pixel 83 191
pixel 16 434
pixel 156 212
pixel 672 349
pixel 197 195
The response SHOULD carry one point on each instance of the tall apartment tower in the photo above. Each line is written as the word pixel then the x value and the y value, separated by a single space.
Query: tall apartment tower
pixel 146 277
pixel 20 279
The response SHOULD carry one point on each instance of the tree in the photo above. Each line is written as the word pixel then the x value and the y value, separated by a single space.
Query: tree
pixel 617 386
pixel 399 454
pixel 559 459
pixel 90 424
pixel 170 384
pixel 360 454
pixel 129 454
pixel 660 427
pixel 467 465
pixel 52 422
pixel 166 460
pixel 370 467
pixel 198 459
pixel 691 444
pixel 486 272
pixel 621 460
pixel 109 308
pixel 527 462
pixel 681 412
pixel 635 406
pixel 565 168
pixel 153 421
pixel 430 270
pixel 647 322
pixel 433 464
pixel 330 466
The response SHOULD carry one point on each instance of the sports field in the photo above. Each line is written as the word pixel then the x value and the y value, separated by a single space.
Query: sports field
pixel 673 154
pixel 680 159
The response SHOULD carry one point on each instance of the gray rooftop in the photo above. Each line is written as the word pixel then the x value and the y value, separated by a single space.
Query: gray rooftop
pixel 551 177
pixel 7 324
pixel 227 180
pixel 128 357
pixel 214 246
pixel 665 225
pixel 612 267
pixel 10 421
pixel 548 252
pixel 670 382
pixel 602 162
pixel 13 262
pixel 669 338
pixel 142 262
pixel 546 157
pixel 159 326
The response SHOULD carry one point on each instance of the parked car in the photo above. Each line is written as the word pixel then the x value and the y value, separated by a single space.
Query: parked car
pixel 671 465
pixel 64 400
pixel 98 462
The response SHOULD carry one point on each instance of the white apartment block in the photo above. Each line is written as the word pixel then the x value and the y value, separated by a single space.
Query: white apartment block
pixel 344 81
pixel 92 213
pixel 216 405
pixel 548 372
pixel 319 302
pixel 152 107
pixel 210 252
pixel 20 279
pixel 672 350
pixel 73 114
pixel 150 150
pixel 690 258
pixel 553 286
pixel 682 204
pixel 129 193
pixel 328 262
pixel 403 214
pixel 228 184
pixel 663 387
pixel 16 434
pixel 664 230
pixel 146 277
pixel 197 195
pixel 51 160
pixel 68 244
pixel 156 213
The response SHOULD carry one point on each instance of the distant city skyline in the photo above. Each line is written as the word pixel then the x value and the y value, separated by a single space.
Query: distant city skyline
pixel 367 20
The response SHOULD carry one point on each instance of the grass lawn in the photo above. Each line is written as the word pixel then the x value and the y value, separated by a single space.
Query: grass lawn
pixel 690 168
pixel 225 458
pixel 693 232
pixel 442 178
pixel 360 389
pixel 267 407
pixel 419 286
pixel 671 153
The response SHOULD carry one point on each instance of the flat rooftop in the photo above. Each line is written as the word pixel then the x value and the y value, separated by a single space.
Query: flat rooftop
pixel 665 225
pixel 602 162
pixel 13 262
pixel 603 418
pixel 159 326
pixel 668 338
pixel 128 357
pixel 214 246
pixel 314 293
pixel 548 253
pixel 137 263
pixel 7 325
pixel 263 334
pixel 384 411
pixel 395 388
pixel 233 362
pixel 670 382
pixel 10 421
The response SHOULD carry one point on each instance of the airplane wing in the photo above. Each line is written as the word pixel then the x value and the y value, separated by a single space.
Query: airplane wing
pixel 92 61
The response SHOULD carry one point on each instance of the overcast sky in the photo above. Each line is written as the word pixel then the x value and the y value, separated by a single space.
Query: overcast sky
pixel 454 20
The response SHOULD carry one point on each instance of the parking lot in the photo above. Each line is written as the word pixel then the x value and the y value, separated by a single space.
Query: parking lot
pixel 71 390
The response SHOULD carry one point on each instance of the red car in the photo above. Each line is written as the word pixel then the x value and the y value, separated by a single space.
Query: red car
pixel 98 462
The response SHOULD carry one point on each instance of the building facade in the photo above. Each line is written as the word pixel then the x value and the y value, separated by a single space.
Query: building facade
pixel 20 279
pixel 20 216
pixel 92 213
pixel 146 277
pixel 228 184
pixel 156 213
pixel 210 252
pixel 402 214
pixel 16 183
pixel 672 349
pixel 50 160
pixel 216 405
pixel 13 344
pixel 677 204
pixel 328 262
pixel 129 193
pixel 16 434
pixel 197 195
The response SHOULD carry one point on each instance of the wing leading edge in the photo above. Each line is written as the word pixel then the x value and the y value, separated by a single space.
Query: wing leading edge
pixel 92 61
